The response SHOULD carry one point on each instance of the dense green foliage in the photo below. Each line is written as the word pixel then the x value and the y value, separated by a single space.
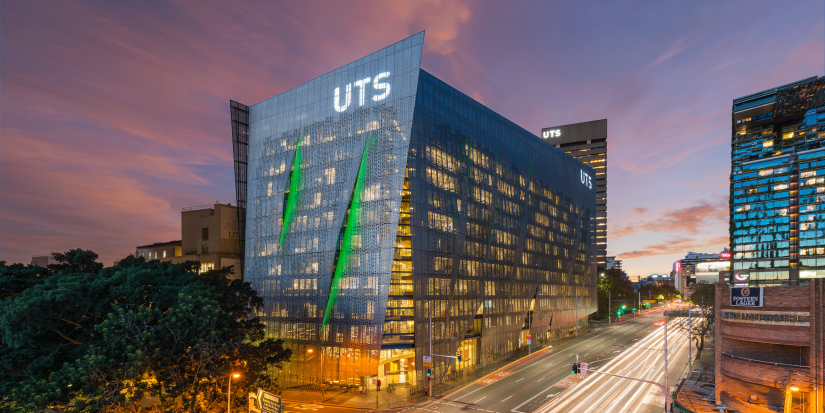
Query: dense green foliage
pixel 79 338
pixel 615 285
pixel 661 292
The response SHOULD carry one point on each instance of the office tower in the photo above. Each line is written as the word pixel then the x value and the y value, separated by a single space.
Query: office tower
pixel 587 142
pixel 777 190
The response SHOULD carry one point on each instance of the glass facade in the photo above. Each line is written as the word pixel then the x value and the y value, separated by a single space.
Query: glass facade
pixel 777 189
pixel 380 198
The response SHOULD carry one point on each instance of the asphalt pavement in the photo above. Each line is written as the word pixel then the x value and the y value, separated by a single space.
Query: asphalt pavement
pixel 533 383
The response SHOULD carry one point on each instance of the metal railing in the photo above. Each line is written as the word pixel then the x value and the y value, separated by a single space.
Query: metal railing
pixel 197 208
pixel 764 362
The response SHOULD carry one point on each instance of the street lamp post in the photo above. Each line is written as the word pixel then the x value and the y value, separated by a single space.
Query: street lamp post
pixel 229 392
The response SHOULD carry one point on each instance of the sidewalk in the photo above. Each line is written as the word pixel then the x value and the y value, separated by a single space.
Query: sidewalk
pixel 401 395
pixel 351 399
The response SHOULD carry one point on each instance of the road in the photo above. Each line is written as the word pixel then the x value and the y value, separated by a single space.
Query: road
pixel 542 382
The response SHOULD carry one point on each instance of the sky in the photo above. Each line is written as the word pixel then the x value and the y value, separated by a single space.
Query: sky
pixel 115 115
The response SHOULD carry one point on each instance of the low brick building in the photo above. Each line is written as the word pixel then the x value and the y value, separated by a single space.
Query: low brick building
pixel 769 344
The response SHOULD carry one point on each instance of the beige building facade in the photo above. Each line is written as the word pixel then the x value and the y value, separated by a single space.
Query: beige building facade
pixel 209 234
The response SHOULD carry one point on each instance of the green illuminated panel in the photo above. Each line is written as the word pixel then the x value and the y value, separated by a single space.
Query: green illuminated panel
pixel 351 225
pixel 291 201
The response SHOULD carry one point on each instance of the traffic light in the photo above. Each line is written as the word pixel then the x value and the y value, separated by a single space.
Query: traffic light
pixel 575 368
pixel 429 374
pixel 378 385
pixel 458 357
pixel 624 306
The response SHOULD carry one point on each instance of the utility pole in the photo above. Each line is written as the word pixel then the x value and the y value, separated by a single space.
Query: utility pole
pixel 429 379
pixel 577 313
pixel 667 384
pixel 690 344
pixel 609 300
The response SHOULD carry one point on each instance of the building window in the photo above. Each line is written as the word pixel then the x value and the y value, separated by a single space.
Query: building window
pixel 205 234
pixel 205 249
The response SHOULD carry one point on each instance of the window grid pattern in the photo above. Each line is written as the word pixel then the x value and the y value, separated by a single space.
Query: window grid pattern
pixel 295 275
pixel 424 204
pixel 778 186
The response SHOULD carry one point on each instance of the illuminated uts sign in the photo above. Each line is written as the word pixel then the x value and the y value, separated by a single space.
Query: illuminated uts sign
pixel 362 84
pixel 552 133
pixel 586 179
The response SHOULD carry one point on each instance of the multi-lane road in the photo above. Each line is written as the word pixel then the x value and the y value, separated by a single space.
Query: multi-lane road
pixel 543 383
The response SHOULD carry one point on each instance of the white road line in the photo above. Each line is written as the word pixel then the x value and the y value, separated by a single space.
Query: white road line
pixel 480 399
pixel 515 410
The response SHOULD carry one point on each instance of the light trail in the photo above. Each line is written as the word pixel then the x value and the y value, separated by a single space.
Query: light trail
pixel 603 393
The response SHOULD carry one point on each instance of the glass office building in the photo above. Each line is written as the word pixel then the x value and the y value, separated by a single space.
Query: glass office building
pixel 379 198
pixel 777 190
pixel 587 142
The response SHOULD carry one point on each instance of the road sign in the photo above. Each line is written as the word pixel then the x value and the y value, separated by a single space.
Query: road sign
pixel 583 368
pixel 428 361
pixel 374 381
pixel 269 403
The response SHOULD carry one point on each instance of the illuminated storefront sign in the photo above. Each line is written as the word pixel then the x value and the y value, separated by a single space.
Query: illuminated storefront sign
pixel 746 296
pixel 362 84
pixel 795 318
pixel 740 277
pixel 552 133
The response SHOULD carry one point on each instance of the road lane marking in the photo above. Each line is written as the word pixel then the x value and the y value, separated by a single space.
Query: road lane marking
pixel 480 399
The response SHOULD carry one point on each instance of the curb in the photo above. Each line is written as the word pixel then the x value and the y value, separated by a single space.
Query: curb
pixel 286 399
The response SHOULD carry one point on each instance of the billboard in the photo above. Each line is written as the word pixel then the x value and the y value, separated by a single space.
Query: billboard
pixel 746 296
pixel 714 266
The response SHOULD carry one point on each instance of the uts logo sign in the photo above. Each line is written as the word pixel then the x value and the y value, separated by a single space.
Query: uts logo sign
pixel 362 84
pixel 586 180
pixel 552 133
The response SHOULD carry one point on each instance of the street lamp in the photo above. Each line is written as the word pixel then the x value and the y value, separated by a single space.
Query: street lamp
pixel 229 393
pixel 794 388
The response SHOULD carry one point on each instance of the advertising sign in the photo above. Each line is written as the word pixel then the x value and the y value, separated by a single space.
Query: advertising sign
pixel 712 267
pixel 740 277
pixel 746 296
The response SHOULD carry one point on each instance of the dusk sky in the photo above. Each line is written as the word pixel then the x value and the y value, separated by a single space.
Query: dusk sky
pixel 115 115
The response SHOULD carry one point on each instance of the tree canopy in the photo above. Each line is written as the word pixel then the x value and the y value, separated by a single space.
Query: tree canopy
pixel 613 284
pixel 79 337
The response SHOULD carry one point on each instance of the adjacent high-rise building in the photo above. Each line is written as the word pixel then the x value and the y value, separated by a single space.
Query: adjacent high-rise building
pixel 380 199
pixel 777 189
pixel 587 142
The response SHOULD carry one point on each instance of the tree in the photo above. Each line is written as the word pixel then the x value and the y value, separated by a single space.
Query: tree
pixel 16 278
pixel 105 341
pixel 661 292
pixel 615 285
pixel 703 298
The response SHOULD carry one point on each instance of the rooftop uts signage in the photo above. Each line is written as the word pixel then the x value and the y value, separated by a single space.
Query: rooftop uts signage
pixel 362 84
